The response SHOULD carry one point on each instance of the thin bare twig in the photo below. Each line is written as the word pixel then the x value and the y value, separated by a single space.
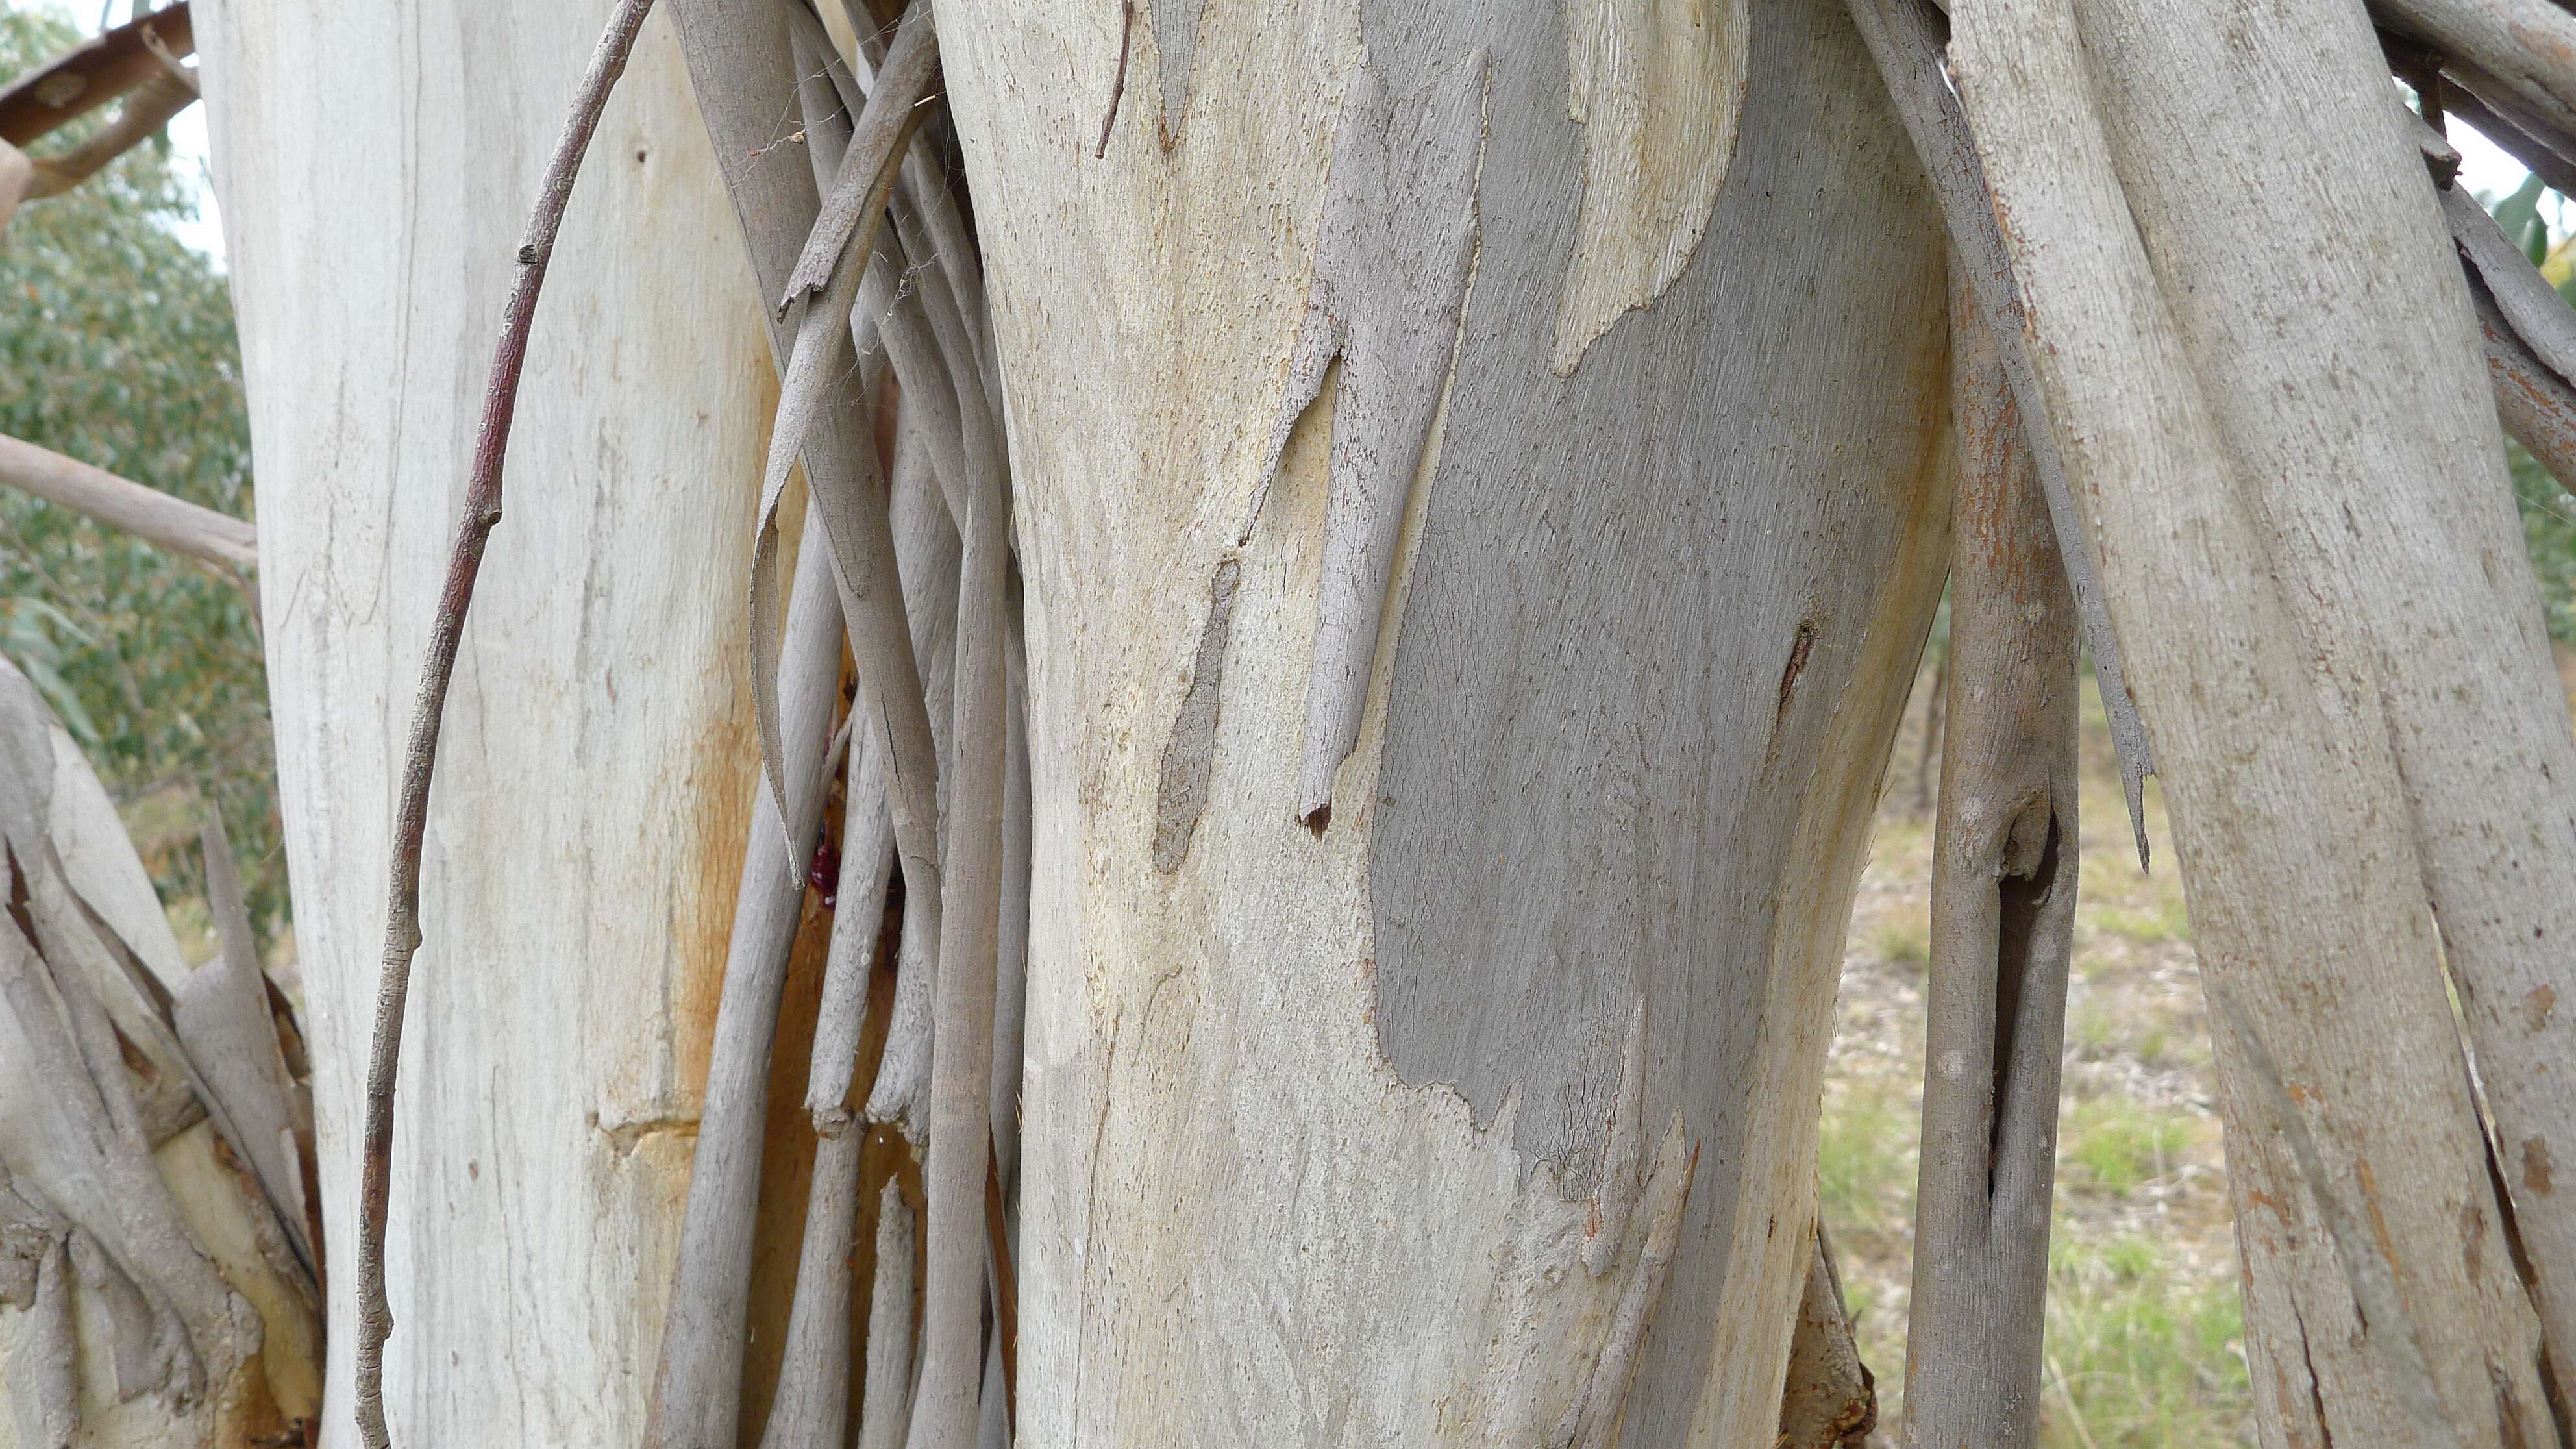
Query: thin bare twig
pixel 456 596
pixel 1118 82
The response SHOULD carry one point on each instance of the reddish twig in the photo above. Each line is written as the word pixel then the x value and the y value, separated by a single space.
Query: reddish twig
pixel 411 815
pixel 1118 82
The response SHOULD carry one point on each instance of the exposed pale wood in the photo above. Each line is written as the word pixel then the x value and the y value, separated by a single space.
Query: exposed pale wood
pixel 1905 39
pixel 147 513
pixel 587 837
pixel 420 756
pixel 2004 864
pixel 2296 847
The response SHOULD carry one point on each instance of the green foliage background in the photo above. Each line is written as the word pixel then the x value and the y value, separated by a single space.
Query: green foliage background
pixel 117 348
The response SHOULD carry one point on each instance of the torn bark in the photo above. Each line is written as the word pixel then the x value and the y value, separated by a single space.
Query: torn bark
pixel 2306 886
pixel 1905 39
pixel 2536 405
pixel 2003 916
pixel 1830 1400
pixel 411 819
pixel 1391 269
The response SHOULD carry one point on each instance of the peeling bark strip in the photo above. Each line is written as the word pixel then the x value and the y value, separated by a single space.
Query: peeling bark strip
pixel 1592 1421
pixel 1905 39
pixel 2536 405
pixel 1658 86
pixel 2524 48
pixel 1176 42
pixel 1391 268
pixel 1830 1400
pixel 2272 678
pixel 1190 749
pixel 411 818
pixel 2004 863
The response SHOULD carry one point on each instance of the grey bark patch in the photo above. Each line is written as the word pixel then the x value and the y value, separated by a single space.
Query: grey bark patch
pixel 1391 269
pixel 1176 42
pixel 1572 813
pixel 1191 747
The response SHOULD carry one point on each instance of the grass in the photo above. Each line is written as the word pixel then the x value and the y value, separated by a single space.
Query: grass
pixel 2140 1351
pixel 2145 1332
pixel 2121 1145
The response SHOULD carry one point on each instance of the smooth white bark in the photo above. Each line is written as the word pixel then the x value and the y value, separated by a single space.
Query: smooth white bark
pixel 587 827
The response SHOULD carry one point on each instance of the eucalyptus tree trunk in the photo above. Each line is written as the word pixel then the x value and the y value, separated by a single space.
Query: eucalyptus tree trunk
pixel 1479 486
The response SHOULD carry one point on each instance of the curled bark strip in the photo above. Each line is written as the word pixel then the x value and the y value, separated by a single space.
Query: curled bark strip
pixel 961 1065
pixel 81 80
pixel 456 596
pixel 1011 986
pixel 698 1391
pixel 2538 154
pixel 1390 289
pixel 868 169
pixel 906 708
pixel 2537 406
pixel 2539 316
pixel 1905 39
pixel 867 858
pixel 2003 920
pixel 147 513
pixel 2529 46
pixel 885 1410
pixel 812 1405
pixel 144 113
pixel 1830 1400
pixel 221 1015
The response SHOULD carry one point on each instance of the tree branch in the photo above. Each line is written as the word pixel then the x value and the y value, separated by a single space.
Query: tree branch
pixel 120 503
pixel 81 80
pixel 456 596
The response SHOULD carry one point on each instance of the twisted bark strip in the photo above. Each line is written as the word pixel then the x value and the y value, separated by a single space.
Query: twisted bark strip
pixel 2004 863
pixel 456 596
pixel 1905 38
pixel 961 1066
pixel 2539 316
pixel 885 1407
pixel 888 638
pixel 812 1405
pixel 2307 888
pixel 867 174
